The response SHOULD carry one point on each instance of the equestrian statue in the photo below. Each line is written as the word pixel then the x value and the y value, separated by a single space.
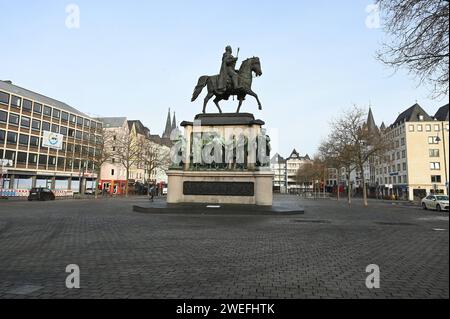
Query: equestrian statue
pixel 230 82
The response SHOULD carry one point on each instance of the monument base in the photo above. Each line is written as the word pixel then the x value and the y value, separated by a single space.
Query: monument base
pixel 226 187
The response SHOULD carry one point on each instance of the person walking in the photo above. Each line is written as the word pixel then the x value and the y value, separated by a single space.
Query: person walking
pixel 152 193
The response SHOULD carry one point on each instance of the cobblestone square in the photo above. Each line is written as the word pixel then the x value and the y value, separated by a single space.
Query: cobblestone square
pixel 322 253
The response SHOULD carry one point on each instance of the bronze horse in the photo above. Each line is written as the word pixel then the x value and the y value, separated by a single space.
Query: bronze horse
pixel 245 82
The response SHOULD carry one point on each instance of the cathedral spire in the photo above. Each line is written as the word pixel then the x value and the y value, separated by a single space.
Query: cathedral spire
pixel 174 122
pixel 372 127
pixel 168 128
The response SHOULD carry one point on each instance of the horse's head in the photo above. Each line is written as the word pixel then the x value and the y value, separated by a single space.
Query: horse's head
pixel 256 66
pixel 251 65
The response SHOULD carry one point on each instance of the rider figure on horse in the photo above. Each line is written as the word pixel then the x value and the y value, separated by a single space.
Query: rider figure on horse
pixel 228 70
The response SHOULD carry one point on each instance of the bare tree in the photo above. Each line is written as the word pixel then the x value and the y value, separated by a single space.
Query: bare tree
pixel 103 153
pixel 311 172
pixel 337 152
pixel 129 152
pixel 420 40
pixel 155 157
pixel 359 141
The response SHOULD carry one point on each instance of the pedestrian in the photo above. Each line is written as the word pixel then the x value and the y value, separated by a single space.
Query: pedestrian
pixel 152 193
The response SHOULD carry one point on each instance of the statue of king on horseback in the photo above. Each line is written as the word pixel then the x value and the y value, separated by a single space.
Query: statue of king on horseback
pixel 230 82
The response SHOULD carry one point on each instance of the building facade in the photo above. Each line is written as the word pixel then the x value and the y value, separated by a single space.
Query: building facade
pixel 26 118
pixel 278 167
pixel 114 173
pixel 417 164
pixel 293 163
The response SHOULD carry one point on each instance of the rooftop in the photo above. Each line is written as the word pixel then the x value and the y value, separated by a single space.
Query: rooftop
pixel 17 90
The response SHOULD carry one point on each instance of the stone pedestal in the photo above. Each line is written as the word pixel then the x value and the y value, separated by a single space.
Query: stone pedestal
pixel 226 160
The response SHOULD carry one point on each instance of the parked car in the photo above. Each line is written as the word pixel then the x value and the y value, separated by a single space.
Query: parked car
pixel 89 191
pixel 438 202
pixel 41 193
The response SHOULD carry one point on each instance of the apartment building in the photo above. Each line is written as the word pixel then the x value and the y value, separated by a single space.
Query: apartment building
pixel 278 167
pixel 417 165
pixel 28 120
pixel 113 172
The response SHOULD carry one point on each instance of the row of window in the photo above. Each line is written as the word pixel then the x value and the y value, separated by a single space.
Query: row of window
pixel 50 161
pixel 13 138
pixel 38 108
pixel 37 125
pixel 393 180
pixel 428 127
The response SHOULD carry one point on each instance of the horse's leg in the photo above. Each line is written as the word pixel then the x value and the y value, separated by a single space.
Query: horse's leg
pixel 216 101
pixel 207 98
pixel 239 106
pixel 250 92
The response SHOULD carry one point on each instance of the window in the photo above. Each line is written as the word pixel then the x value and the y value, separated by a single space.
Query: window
pixel 404 166
pixel 71 132
pixel 47 110
pixel 63 130
pixel 45 126
pixel 432 140
pixel 434 153
pixel 403 154
pixel 21 157
pixel 3 116
pixel 73 118
pixel 60 162
pixel 37 108
pixel 27 105
pixel 13 119
pixel 42 159
pixel 10 155
pixel 436 127
pixel 112 172
pixel 25 122
pixel 411 128
pixel 428 128
pixel 4 98
pixel 435 166
pixel 16 101
pixel 11 138
pixel 2 136
pixel 87 123
pixel 419 128
pixel 55 128
pixel 69 148
pixel 23 139
pixel 398 155
pixel 79 121
pixel 399 179
pixel 397 143
pixel 403 141
pixel 436 179
pixel 32 158
pixel 86 137
pixel 56 114
pixel 34 141
pixel 78 135
pixel 64 116
pixel 51 160
pixel 36 125
pixel 77 149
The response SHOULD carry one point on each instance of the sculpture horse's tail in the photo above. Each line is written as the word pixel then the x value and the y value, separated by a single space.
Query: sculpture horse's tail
pixel 198 89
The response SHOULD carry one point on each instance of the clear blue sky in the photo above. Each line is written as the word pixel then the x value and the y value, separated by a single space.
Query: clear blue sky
pixel 138 58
